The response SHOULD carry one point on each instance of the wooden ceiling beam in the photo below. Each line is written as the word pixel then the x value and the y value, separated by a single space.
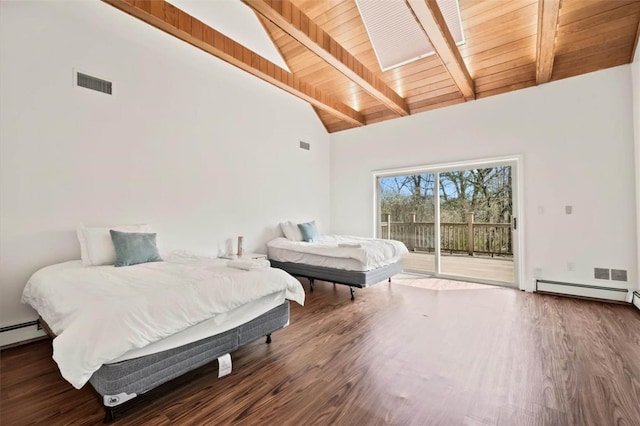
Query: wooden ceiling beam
pixel 294 22
pixel 548 11
pixel 430 17
pixel 183 26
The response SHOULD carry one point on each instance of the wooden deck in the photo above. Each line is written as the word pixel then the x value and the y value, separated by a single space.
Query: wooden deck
pixel 484 268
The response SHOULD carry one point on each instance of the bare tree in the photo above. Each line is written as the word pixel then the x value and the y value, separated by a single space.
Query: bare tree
pixel 486 192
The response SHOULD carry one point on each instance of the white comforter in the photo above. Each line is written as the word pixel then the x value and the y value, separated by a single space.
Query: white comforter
pixel 372 253
pixel 99 313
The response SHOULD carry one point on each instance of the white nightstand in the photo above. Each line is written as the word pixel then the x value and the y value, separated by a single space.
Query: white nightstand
pixel 244 256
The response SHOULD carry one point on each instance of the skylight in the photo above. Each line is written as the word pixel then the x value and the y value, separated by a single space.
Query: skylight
pixel 396 36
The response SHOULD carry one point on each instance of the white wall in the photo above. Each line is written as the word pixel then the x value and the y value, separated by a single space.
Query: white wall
pixel 189 144
pixel 576 139
pixel 635 78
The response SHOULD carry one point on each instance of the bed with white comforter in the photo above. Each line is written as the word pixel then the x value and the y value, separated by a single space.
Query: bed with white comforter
pixel 104 314
pixel 339 251
pixel 341 259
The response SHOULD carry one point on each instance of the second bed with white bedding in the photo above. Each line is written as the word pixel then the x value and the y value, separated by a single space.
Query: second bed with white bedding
pixel 352 261
pixel 339 252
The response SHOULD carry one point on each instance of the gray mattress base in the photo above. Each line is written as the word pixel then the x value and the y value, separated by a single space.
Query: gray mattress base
pixel 117 383
pixel 359 279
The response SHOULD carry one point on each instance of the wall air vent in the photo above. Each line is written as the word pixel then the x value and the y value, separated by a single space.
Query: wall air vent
pixel 94 83
pixel 397 38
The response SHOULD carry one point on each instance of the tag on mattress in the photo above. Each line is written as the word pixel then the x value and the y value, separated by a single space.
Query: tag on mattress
pixel 224 364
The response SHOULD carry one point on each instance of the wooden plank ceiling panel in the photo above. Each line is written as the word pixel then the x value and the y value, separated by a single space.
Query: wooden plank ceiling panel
pixel 580 15
pixel 498 54
pixel 344 24
pixel 435 86
pixel 441 101
pixel 573 11
pixel 305 64
pixel 433 94
pixel 477 14
pixel 506 89
pixel 608 32
pixel 526 73
pixel 498 21
pixel 528 69
pixel 500 48
pixel 424 86
pixel 314 8
pixel 594 35
pixel 406 71
pixel 332 123
pixel 601 57
pixel 376 114
pixel 421 84
pixel 482 44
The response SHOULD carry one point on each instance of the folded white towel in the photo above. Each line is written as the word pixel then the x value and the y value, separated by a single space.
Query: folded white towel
pixel 349 245
pixel 249 264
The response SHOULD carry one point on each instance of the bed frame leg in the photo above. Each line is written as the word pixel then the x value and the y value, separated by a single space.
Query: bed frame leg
pixel 311 285
pixel 268 338
pixel 353 293
pixel 109 415
pixel 389 279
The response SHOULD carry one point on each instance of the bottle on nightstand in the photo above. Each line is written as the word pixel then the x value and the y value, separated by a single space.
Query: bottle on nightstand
pixel 240 248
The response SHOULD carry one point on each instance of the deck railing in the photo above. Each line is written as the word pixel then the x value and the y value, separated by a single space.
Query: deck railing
pixel 455 237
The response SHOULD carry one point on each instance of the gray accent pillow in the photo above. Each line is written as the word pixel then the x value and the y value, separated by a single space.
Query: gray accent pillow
pixel 133 248
pixel 309 231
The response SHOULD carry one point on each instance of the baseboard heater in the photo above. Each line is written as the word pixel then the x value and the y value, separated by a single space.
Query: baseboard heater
pixel 636 299
pixel 21 325
pixel 582 290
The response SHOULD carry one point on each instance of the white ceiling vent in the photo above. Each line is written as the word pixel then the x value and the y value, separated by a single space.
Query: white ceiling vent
pixel 396 36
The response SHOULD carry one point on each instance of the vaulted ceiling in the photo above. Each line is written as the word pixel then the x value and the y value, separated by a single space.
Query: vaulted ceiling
pixel 509 45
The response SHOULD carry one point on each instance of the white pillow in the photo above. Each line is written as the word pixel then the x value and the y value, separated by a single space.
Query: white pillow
pixel 291 231
pixel 96 247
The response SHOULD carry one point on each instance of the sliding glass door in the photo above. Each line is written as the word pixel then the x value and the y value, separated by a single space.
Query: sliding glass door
pixel 407 206
pixel 466 231
pixel 476 211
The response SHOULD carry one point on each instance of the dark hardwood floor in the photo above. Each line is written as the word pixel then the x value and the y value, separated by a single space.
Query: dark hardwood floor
pixel 396 355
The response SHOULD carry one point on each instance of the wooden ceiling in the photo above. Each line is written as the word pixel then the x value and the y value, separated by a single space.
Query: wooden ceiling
pixel 509 45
